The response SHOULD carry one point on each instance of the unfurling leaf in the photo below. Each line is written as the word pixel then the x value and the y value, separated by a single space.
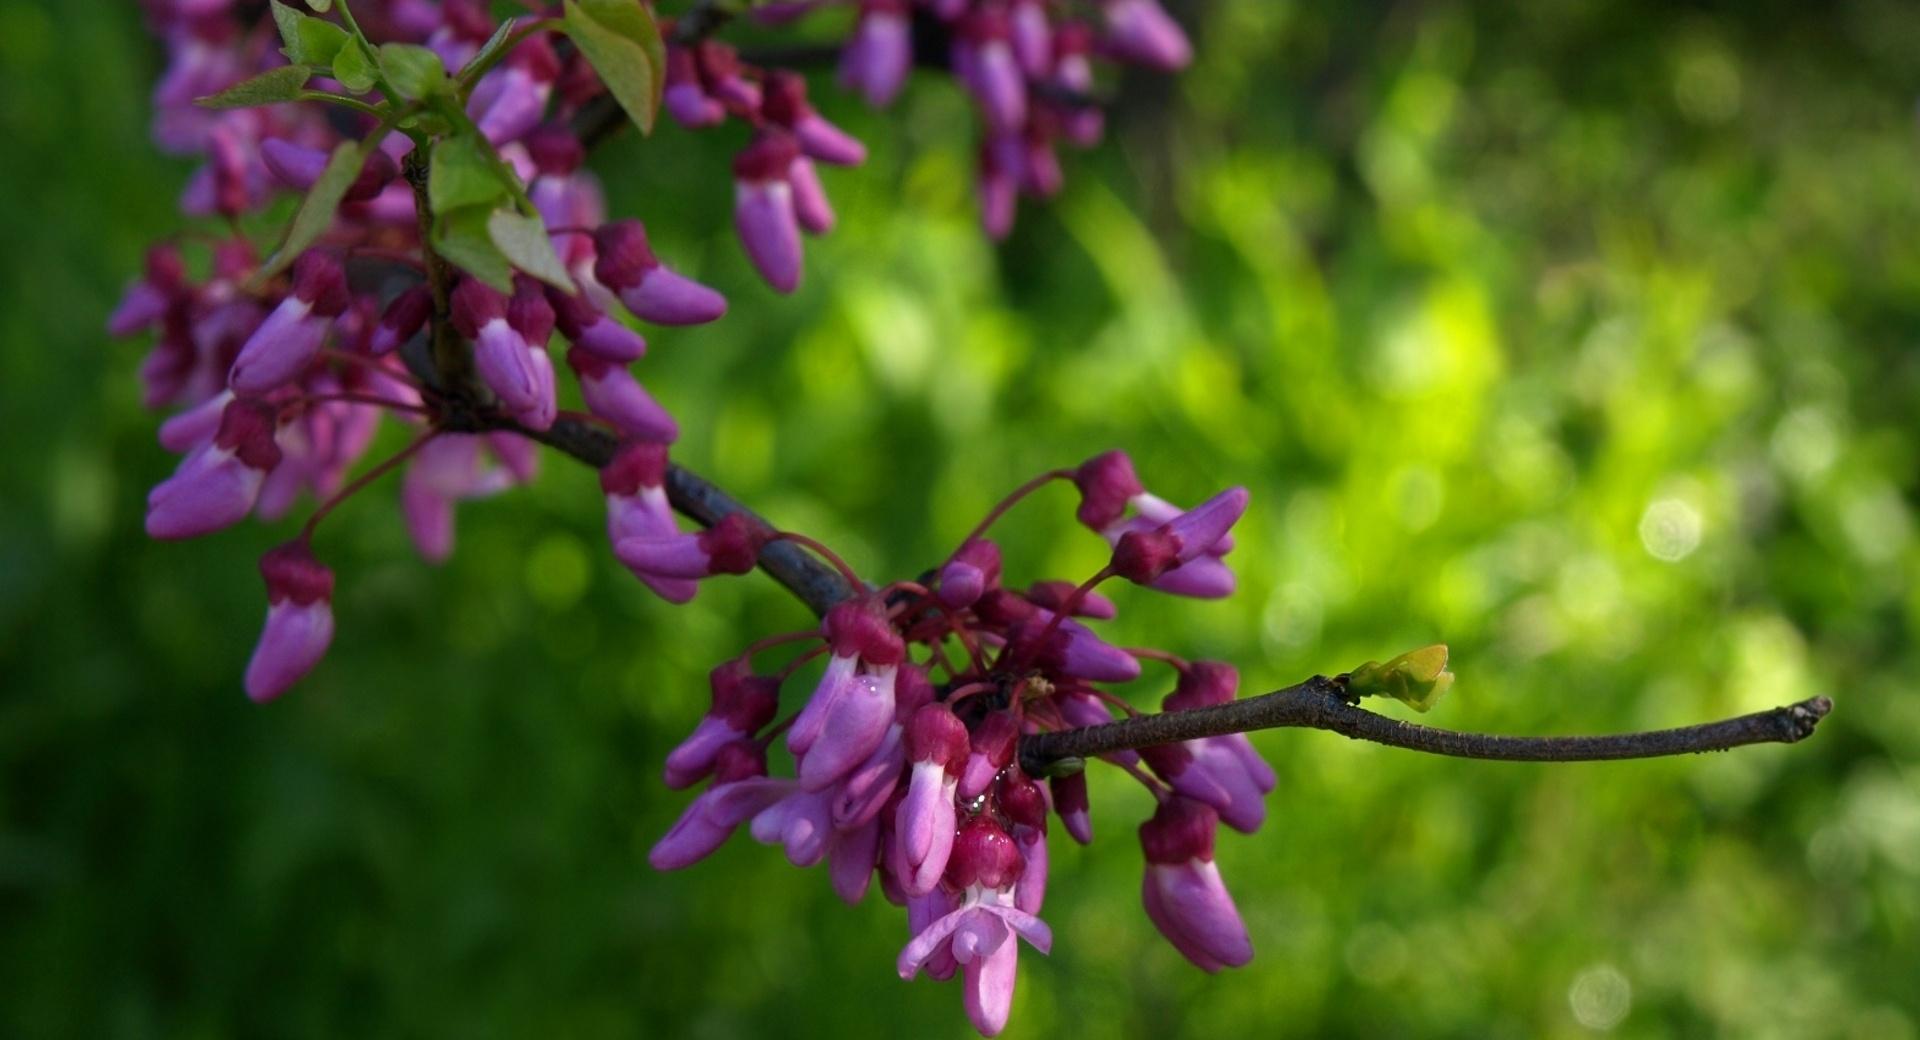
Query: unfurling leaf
pixel 461 237
pixel 523 240
pixel 315 214
pixel 1417 678
pixel 415 72
pixel 308 40
pixel 273 85
pixel 353 68
pixel 623 44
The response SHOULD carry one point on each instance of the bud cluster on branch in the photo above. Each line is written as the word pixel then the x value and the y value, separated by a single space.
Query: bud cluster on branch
pixel 448 228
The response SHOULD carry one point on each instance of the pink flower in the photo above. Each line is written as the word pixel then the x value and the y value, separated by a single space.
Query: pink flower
pixel 731 546
pixel 1070 802
pixel 979 933
pixel 990 749
pixel 784 101
pixel 741 791
pixel 1182 891
pixel 285 344
pixel 447 470
pixel 590 329
pixel 217 484
pixel 511 100
pixel 848 714
pixel 974 568
pixel 923 828
pixel 147 301
pixel 685 97
pixel 299 620
pixel 743 703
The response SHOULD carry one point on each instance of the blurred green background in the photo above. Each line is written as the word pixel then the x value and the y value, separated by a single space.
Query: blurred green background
pixel 1581 338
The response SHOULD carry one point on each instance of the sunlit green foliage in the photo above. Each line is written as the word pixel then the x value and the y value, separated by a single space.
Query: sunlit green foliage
pixel 1581 340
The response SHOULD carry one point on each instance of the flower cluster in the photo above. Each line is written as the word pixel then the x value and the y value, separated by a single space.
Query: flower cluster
pixel 1028 65
pixel 448 229
pixel 906 755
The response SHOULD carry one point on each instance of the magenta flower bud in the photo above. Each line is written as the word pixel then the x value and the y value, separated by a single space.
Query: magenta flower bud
pixel 784 101
pixel 720 71
pixel 637 507
pixel 217 485
pixel 1141 32
pixel 626 265
pixel 1031 33
pixel 509 346
pixel 1107 483
pixel 1183 892
pixel 990 750
pixel 924 824
pixel 285 344
pixel 742 704
pixel 912 690
pixel 740 792
pixel 555 149
pixel 402 320
pixel 1052 595
pixel 1145 556
pixel 684 98
pixel 1031 890
pixel 879 55
pixel 299 620
pixel 147 300
pixel 1073 650
pixel 589 328
pixel 984 855
pixel 973 570
pixel 984 61
pixel 731 546
pixel 613 394
pixel 810 205
pixel 763 213
pixel 860 627
pixel 1070 802
pixel 1212 774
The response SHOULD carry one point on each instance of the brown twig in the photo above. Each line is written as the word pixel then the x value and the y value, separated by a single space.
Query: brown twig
pixel 1323 703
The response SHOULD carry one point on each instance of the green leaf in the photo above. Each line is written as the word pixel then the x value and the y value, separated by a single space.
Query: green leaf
pixel 315 214
pixel 462 175
pixel 353 68
pixel 281 84
pixel 320 6
pixel 523 240
pixel 489 51
pixel 415 72
pixel 625 64
pixel 309 40
pixel 1418 678
pixel 635 22
pixel 461 237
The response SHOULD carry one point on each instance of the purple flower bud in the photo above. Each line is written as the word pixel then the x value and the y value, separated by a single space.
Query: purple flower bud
pixel 1139 31
pixel 865 792
pixel 810 205
pixel 626 265
pixel 763 213
pixel 985 61
pixel 637 507
pixel 1032 35
pixel 511 100
pixel 1053 595
pixel 613 394
pixel 743 703
pixel 1070 802
pixel 148 299
pixel 784 101
pixel 991 749
pixel 195 426
pixel 851 856
pixel 509 346
pixel 801 822
pixel 731 546
pixel 1182 891
pixel 589 328
pixel 1074 651
pixel 879 55
pixel 445 470
pixel 684 98
pixel 282 347
pixel 299 620
pixel 217 485
pixel 402 320
pixel 1106 482
pixel 741 792
pixel 720 71
pixel 851 725
pixel 974 568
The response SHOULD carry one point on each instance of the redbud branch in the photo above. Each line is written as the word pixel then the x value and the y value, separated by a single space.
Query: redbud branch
pixel 1323 703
